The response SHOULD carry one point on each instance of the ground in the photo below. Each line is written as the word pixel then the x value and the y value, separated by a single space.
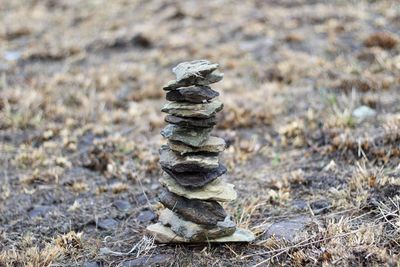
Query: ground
pixel 80 99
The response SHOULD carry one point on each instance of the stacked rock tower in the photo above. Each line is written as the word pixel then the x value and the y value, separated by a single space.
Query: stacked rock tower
pixel 192 187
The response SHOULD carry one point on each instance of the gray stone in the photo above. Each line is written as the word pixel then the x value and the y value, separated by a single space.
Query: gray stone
pixel 107 224
pixel 122 205
pixel 197 211
pixel 39 211
pixel 192 94
pixel 217 190
pixel 146 216
pixel 185 109
pixel 200 80
pixel 363 112
pixel 190 122
pixel 154 260
pixel 188 162
pixel 291 230
pixel 192 137
pixel 193 180
pixel 195 232
pixel 193 69
pixel 164 234
pixel 320 206
pixel 212 144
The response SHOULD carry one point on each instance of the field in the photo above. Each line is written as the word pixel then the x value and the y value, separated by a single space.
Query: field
pixel 311 115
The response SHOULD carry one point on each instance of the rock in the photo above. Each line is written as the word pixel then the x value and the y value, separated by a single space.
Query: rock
pixel 164 234
pixel 191 70
pixel 320 206
pixel 363 112
pixel 107 224
pixel 207 80
pixel 291 230
pixel 197 211
pixel 192 137
pixel 212 144
pixel 91 264
pixel 154 260
pixel 299 205
pixel 185 109
pixel 122 205
pixel 195 232
pixel 146 216
pixel 194 180
pixel 187 163
pixel 217 190
pixel 41 210
pixel 192 94
pixel 190 122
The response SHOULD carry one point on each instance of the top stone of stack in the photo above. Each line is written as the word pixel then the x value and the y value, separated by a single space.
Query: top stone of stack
pixel 197 72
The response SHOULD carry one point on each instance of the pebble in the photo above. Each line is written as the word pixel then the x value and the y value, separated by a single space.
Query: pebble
pixel 107 224
pixel 146 216
pixel 363 112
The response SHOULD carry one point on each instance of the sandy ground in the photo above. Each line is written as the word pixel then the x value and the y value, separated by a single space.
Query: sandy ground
pixel 80 99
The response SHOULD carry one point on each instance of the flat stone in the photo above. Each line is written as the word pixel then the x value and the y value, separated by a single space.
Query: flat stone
pixel 164 234
pixel 194 180
pixel 200 80
pixel 212 144
pixel 194 210
pixel 195 232
pixel 122 205
pixel 193 69
pixel 107 224
pixel 217 190
pixel 146 216
pixel 192 137
pixel 188 162
pixel 190 122
pixel 185 109
pixel 192 94
pixel 154 260
pixel 292 230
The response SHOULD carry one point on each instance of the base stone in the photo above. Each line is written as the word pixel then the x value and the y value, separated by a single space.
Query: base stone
pixel 164 234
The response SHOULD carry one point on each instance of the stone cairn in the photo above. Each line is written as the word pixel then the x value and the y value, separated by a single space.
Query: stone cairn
pixel 192 192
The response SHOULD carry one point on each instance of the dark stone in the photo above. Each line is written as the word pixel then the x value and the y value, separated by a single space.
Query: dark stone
pixel 189 122
pixel 193 94
pixel 146 216
pixel 196 179
pixel 189 136
pixel 156 260
pixel 187 163
pixel 107 224
pixel 197 211
pixel 193 69
pixel 320 206
pixel 122 205
pixel 41 211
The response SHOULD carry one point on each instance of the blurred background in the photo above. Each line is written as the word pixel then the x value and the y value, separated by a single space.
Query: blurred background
pixel 311 88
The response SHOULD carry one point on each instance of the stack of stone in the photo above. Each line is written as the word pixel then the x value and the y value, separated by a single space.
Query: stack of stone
pixel 191 165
